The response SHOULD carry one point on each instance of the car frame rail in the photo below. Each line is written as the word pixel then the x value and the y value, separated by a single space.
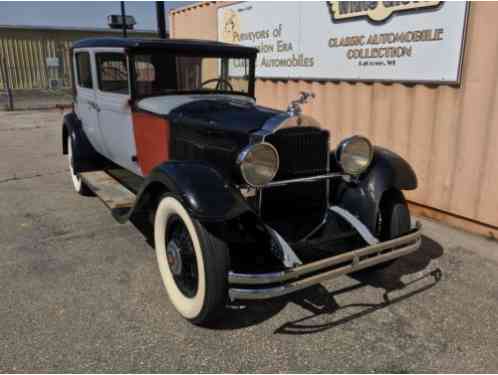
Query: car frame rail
pixel 274 284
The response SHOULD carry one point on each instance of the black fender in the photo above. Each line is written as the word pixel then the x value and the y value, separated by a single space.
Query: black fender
pixel 203 190
pixel 209 197
pixel 85 157
pixel 362 198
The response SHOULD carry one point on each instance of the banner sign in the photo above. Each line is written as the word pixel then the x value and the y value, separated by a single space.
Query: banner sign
pixel 400 41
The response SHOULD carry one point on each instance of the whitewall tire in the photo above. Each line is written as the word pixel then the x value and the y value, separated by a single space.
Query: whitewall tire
pixel 192 261
pixel 78 184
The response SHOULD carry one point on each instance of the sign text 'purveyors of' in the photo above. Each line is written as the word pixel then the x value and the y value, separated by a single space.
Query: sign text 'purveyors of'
pixel 403 41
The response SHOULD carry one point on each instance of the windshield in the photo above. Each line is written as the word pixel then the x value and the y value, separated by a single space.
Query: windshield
pixel 159 73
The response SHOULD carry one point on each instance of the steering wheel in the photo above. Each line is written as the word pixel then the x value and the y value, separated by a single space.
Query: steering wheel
pixel 222 84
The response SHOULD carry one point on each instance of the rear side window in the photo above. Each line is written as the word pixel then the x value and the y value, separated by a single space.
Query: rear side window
pixel 145 75
pixel 84 70
pixel 112 72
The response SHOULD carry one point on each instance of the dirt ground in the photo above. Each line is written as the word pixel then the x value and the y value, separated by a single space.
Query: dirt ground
pixel 81 293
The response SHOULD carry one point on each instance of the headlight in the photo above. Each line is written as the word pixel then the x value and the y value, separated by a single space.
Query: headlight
pixel 354 155
pixel 258 164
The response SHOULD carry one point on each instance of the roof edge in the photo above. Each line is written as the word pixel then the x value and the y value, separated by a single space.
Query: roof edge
pixel 195 4
pixel 173 44
pixel 72 28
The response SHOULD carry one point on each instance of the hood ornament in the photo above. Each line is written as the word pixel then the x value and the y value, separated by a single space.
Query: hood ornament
pixel 294 108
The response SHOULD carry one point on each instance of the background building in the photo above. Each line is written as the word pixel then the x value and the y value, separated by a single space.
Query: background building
pixel 448 133
pixel 38 57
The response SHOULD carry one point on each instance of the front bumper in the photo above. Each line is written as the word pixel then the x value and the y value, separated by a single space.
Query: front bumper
pixel 275 284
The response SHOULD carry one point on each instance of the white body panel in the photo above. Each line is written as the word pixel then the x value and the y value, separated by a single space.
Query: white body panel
pixel 116 125
pixel 163 105
pixel 86 108
pixel 116 122
pixel 107 118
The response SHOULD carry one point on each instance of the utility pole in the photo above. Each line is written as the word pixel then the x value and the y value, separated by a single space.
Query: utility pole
pixel 161 19
pixel 123 16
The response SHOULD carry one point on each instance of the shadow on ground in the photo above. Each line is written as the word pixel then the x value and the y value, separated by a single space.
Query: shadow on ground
pixel 319 301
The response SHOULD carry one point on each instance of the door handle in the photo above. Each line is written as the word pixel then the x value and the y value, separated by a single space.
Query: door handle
pixel 94 106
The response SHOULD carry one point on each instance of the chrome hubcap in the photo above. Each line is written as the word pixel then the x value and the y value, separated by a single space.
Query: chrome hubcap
pixel 174 258
pixel 181 257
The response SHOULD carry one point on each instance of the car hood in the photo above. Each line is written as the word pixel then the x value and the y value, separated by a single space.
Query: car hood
pixel 233 113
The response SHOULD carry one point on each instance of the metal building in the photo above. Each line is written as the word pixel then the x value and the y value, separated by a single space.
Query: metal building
pixel 38 57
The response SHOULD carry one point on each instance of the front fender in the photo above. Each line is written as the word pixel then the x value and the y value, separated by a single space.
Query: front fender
pixel 203 190
pixel 387 171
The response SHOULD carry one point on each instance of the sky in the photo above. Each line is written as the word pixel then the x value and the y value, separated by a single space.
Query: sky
pixel 84 14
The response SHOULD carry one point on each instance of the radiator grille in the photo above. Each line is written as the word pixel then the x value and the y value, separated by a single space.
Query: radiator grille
pixel 303 152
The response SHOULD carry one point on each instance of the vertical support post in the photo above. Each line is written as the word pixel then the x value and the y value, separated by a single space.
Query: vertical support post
pixel 8 89
pixel 2 73
pixel 161 19
pixel 123 16
pixel 252 77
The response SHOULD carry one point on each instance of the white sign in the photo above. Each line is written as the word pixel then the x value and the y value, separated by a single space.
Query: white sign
pixel 52 62
pixel 403 41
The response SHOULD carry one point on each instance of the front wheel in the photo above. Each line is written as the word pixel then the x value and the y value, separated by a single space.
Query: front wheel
pixel 394 216
pixel 192 261
pixel 394 221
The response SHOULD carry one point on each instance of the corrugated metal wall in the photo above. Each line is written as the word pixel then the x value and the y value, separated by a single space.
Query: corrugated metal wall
pixel 449 135
pixel 23 53
pixel 25 60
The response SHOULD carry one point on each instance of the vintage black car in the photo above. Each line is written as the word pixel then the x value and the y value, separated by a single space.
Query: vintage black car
pixel 246 202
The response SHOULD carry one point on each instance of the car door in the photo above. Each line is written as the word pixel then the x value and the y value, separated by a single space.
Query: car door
pixel 113 100
pixel 85 101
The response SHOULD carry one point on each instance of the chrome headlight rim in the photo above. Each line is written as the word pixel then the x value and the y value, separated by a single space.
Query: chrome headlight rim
pixel 243 156
pixel 347 142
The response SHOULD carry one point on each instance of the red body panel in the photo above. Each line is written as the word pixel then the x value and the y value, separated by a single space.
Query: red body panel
pixel 152 138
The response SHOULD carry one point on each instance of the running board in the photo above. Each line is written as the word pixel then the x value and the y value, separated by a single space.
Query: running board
pixel 110 191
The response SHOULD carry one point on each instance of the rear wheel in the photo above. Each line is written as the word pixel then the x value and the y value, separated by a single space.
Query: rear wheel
pixel 193 262
pixel 78 184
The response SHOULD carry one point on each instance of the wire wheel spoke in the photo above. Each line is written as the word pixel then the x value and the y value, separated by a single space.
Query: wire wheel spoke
pixel 181 257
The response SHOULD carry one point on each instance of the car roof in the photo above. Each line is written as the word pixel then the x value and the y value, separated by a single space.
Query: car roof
pixel 190 46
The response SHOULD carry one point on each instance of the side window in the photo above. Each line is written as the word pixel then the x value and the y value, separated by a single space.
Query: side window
pixel 190 72
pixel 84 70
pixel 145 72
pixel 112 72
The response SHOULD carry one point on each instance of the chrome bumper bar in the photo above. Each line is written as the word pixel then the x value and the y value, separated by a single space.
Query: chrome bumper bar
pixel 306 179
pixel 265 285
